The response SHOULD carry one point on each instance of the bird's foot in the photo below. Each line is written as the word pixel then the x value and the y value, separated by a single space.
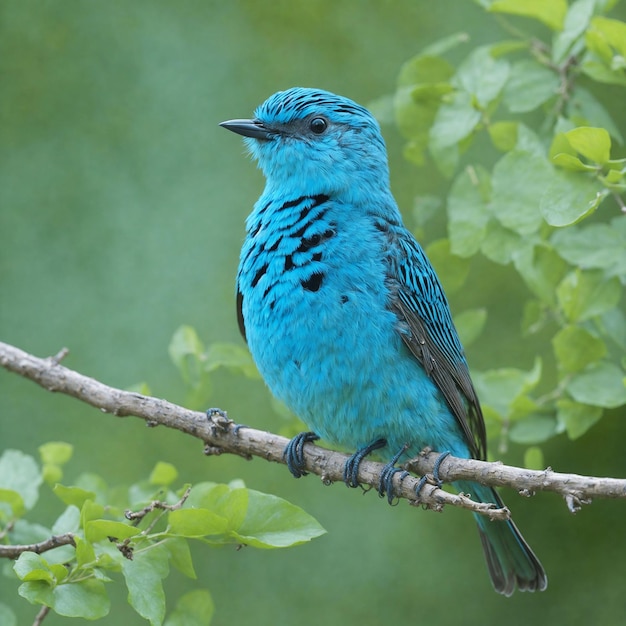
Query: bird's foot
pixel 433 478
pixel 351 468
pixel 220 421
pixel 294 453
pixel 385 486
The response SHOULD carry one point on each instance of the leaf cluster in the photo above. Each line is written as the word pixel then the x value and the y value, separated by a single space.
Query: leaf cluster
pixel 546 201
pixel 111 544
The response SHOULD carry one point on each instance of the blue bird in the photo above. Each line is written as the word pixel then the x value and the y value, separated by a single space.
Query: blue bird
pixel 344 314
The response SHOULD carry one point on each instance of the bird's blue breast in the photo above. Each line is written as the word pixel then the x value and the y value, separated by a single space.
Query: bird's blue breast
pixel 314 276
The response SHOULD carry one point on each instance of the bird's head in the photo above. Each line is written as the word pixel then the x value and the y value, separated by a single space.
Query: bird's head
pixel 313 141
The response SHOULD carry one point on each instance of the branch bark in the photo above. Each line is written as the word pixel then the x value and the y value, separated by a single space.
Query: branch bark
pixel 12 552
pixel 221 436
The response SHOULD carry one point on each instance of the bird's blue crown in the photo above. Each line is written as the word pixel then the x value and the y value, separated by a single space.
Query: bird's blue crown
pixel 300 102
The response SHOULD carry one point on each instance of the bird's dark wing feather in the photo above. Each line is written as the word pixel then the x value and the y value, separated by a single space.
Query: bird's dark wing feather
pixel 242 328
pixel 430 335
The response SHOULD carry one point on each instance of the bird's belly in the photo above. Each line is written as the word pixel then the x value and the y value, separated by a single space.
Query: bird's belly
pixel 337 360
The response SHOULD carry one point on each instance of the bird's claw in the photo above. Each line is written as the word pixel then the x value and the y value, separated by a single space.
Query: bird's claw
pixel 219 420
pixel 351 468
pixel 433 478
pixel 294 453
pixel 385 485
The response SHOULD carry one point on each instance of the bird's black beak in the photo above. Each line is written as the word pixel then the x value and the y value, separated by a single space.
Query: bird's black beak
pixel 248 128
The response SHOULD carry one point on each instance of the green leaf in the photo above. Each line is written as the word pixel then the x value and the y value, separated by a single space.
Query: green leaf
pixel 602 384
pixel 51 474
pixel 533 429
pixel 446 158
pixel 73 495
pixel 272 522
pixel 230 355
pixel 24 532
pixel 576 418
pixel 163 474
pixel 31 566
pixel 504 135
pixel 425 207
pixel 99 529
pixel 482 76
pixel 86 598
pixel 613 326
pixel 470 324
pixel 533 317
pixel 550 12
pixel 519 181
pixel 180 556
pixel 595 246
pixel 7 617
pixel 90 511
pixel 607 37
pixel 421 85
pixel 454 121
pixel 593 143
pixel 575 348
pixel 522 407
pixel 571 163
pixel 507 46
pixel 143 577
pixel 499 388
pixel 529 86
pixel 425 68
pixel 585 294
pixel 598 71
pixel 584 110
pixel 186 351
pixel 576 22
pixel 196 523
pixel 85 553
pixel 195 608
pixel 542 269
pixel 467 211
pixel 230 503
pixel 413 151
pixel 569 197
pixel 68 521
pixel 500 244
pixel 14 500
pixel 56 452
pixel 530 142
pixel 533 458
pixel 19 472
pixel 452 270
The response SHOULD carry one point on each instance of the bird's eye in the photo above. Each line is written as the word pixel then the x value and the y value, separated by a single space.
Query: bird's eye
pixel 318 125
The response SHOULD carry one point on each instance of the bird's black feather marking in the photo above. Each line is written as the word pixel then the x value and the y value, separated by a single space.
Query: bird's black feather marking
pixel 240 321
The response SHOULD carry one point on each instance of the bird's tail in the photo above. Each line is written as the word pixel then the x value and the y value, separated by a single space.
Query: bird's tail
pixel 509 558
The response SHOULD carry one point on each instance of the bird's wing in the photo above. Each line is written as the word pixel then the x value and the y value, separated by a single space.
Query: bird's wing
pixel 430 335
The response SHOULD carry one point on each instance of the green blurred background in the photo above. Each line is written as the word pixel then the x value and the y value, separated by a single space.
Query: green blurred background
pixel 121 216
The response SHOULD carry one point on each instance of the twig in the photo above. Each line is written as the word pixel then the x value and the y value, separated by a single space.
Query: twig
pixel 12 552
pixel 137 516
pixel 220 435
pixel 41 615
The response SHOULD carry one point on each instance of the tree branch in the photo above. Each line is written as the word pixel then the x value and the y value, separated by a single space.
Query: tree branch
pixel 12 552
pixel 222 436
